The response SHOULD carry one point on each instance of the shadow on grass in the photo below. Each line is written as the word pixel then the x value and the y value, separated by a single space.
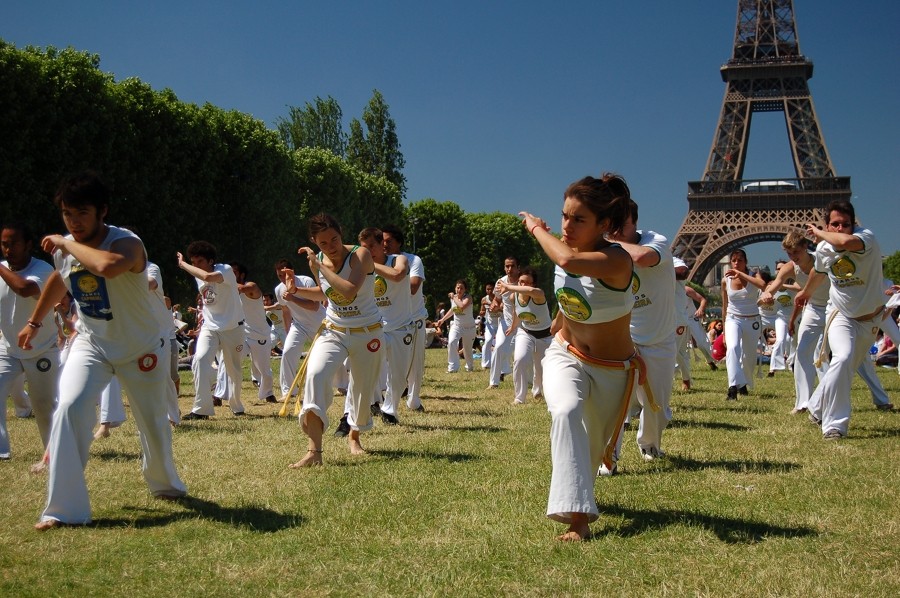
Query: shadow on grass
pixel 252 518
pixel 873 433
pixel 733 466
pixel 430 428
pixel 446 398
pixel 687 423
pixel 219 426
pixel 116 455
pixel 740 406
pixel 426 454
pixel 727 529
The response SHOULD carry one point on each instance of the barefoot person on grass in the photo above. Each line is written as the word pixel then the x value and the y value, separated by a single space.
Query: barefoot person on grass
pixel 591 367
pixel 353 328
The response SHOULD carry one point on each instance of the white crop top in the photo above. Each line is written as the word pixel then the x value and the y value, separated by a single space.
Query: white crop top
pixel 590 300
pixel 353 311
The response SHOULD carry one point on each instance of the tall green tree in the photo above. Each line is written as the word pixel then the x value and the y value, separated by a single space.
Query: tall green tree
pixel 376 150
pixel 441 238
pixel 315 125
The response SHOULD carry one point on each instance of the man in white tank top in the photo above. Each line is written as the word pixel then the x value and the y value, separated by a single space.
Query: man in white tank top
pixel 222 329
pixel 104 268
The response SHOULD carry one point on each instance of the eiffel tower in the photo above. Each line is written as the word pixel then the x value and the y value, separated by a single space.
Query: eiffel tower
pixel 766 73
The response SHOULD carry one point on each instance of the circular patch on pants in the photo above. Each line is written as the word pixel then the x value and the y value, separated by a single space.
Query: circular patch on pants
pixel 43 364
pixel 373 345
pixel 755 325
pixel 407 339
pixel 679 331
pixel 262 342
pixel 239 349
pixel 420 324
pixel 147 362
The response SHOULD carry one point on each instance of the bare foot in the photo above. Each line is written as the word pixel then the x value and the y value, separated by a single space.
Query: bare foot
pixel 355 446
pixel 578 529
pixel 311 459
pixel 46 524
pixel 102 432
pixel 685 385
pixel 39 468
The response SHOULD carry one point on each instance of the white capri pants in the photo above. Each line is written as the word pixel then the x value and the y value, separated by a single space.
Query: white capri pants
pixel 529 351
pixel 587 405
pixel 503 351
pixel 231 342
pixel 291 351
pixel 660 362
pixel 490 333
pixel 364 351
pixel 417 366
pixel 809 335
pixel 82 380
pixel 467 334
pixel 682 352
pixel 741 338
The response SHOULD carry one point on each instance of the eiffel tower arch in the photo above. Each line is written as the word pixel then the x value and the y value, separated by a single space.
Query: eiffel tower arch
pixel 766 73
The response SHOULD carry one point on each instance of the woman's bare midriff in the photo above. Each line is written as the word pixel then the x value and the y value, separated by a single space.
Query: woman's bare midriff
pixel 606 340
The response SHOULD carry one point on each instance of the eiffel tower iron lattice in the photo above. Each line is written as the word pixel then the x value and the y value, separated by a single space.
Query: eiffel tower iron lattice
pixel 766 73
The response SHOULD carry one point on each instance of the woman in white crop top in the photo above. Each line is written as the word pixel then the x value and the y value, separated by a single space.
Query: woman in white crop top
pixel 462 327
pixel 352 329
pixel 742 326
pixel 590 369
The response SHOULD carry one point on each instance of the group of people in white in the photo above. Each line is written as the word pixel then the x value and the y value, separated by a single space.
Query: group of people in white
pixel 624 320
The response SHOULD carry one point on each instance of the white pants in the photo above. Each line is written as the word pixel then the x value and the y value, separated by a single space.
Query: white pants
pixel 660 361
pixel 741 338
pixel 586 406
pixel 467 335
pixel 782 346
pixel 112 410
pixel 297 338
pixel 809 336
pixel 682 352
pixel 399 352
pixel 260 353
pixel 83 378
pixel 417 367
pixel 701 341
pixel 849 341
pixel 364 351
pixel 231 343
pixel 20 398
pixel 503 352
pixel 529 351
pixel 490 334
pixel 42 373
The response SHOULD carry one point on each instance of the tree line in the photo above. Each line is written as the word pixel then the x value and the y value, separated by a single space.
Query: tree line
pixel 181 172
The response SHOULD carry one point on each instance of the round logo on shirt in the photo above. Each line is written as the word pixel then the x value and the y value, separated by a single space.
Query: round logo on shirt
pixel 784 300
pixel 373 345
pixel 573 304
pixel 87 284
pixel 635 283
pixel 43 364
pixel 380 286
pixel 147 362
pixel 529 318
pixel 209 295
pixel 337 298
pixel 843 267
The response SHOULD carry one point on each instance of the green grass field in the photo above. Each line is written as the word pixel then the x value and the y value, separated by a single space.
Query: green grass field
pixel 749 502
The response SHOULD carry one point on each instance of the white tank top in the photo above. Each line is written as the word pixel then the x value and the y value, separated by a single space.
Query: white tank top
pixel 119 316
pixel 354 311
pixel 533 315
pixel 255 325
pixel 463 316
pixel 741 302
pixel 820 296
pixel 590 300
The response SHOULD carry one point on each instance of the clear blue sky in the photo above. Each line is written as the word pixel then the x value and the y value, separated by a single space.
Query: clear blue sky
pixel 499 105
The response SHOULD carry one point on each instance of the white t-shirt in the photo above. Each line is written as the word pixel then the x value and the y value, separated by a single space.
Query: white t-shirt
pixel 305 319
pixel 15 311
pixel 653 314
pixel 222 308
pixel 856 276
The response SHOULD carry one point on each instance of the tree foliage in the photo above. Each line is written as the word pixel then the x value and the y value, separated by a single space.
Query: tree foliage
pixel 376 149
pixel 891 267
pixel 315 125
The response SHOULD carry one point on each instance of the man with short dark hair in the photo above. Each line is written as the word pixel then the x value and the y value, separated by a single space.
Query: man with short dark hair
pixel 850 257
pixel 223 328
pixel 104 267
pixel 22 278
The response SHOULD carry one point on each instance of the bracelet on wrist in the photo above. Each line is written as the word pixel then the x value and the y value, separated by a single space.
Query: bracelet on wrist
pixel 34 324
pixel 534 227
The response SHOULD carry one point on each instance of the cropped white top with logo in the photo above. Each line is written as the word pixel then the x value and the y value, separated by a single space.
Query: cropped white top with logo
pixel 463 317
pixel 354 311
pixel 590 300
pixel 532 315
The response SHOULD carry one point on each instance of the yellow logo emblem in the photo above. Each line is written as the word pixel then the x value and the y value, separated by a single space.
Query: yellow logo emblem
pixel 843 268
pixel 573 304
pixel 380 286
pixel 337 298
pixel 87 284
